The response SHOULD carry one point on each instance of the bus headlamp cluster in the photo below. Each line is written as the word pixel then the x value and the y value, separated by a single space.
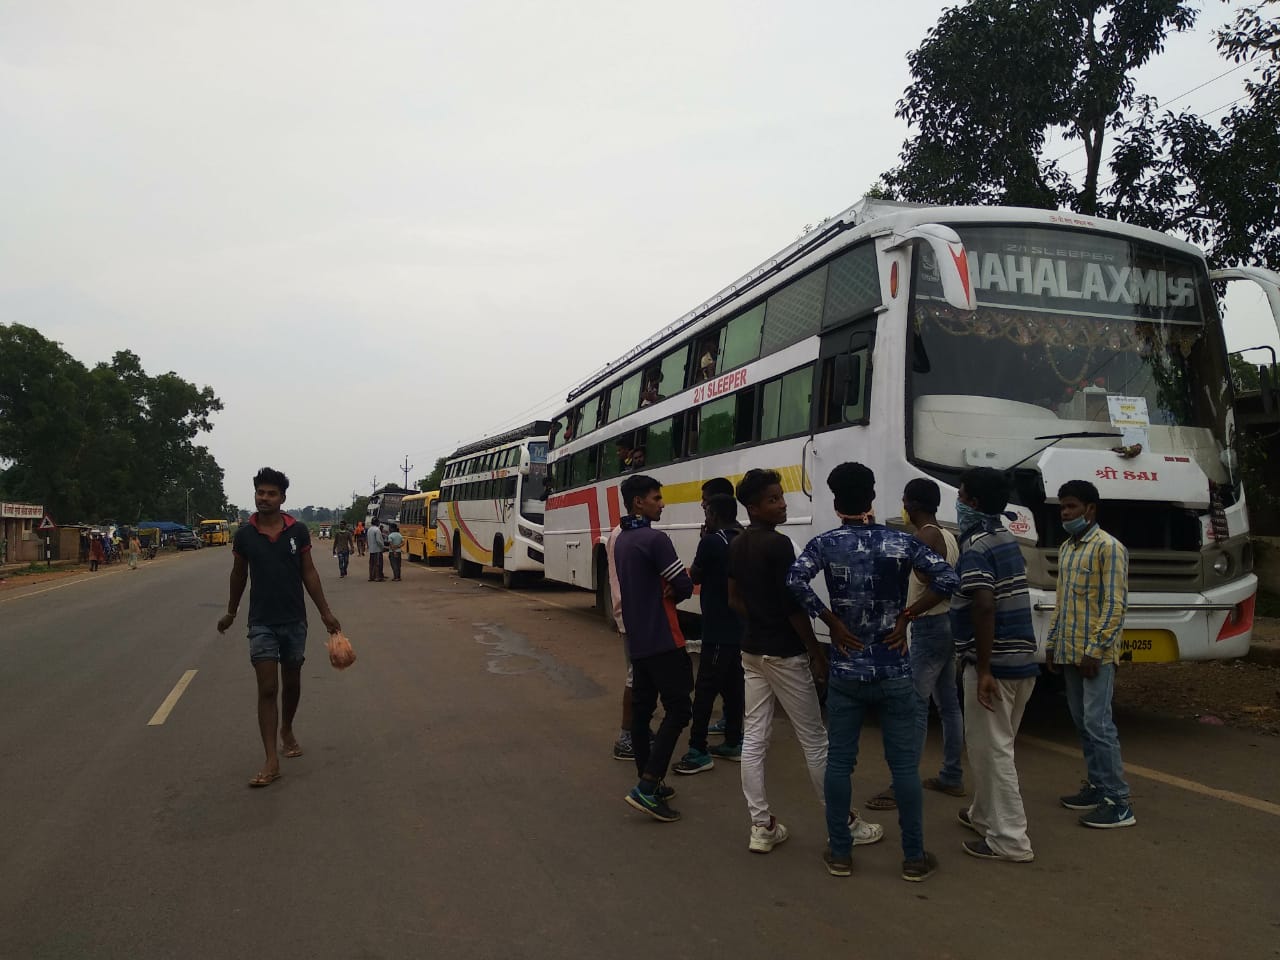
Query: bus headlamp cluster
pixel 528 533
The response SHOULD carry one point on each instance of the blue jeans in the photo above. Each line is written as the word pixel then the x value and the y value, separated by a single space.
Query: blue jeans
pixel 847 703
pixel 1090 704
pixel 933 671
pixel 285 642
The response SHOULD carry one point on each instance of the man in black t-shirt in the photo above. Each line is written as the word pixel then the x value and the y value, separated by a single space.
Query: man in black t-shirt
pixel 276 550
pixel 720 662
pixel 781 657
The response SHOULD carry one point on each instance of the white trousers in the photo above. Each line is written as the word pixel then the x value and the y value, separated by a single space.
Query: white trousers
pixel 784 681
pixel 997 809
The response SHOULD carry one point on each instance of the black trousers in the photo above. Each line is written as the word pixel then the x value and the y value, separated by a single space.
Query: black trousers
pixel 668 676
pixel 395 564
pixel 719 675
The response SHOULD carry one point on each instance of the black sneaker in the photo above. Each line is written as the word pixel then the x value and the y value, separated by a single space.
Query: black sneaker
pixel 837 866
pixel 1109 814
pixel 652 804
pixel 967 821
pixel 917 871
pixel 664 792
pixel 1086 798
pixel 623 750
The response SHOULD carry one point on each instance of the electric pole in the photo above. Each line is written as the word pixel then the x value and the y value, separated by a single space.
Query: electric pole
pixel 375 483
pixel 405 468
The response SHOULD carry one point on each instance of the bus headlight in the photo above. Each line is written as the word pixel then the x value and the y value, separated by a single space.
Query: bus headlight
pixel 1222 565
pixel 528 533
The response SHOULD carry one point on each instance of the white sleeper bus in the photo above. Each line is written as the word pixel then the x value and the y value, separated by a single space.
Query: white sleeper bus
pixel 491 504
pixel 923 341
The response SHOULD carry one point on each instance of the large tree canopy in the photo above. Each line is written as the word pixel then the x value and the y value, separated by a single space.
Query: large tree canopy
pixel 108 442
pixel 994 80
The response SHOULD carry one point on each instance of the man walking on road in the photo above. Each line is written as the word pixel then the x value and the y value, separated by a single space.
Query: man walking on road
pixel 867 567
pixel 652 581
pixel 991 621
pixel 376 544
pixel 1084 640
pixel 361 546
pixel 275 550
pixel 342 547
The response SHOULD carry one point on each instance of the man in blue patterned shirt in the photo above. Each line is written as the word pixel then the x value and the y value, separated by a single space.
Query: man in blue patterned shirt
pixel 866 567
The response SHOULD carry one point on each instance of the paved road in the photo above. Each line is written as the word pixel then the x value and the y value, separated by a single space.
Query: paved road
pixel 457 800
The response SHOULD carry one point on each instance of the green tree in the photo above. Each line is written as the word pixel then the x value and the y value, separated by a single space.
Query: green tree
pixel 432 480
pixel 357 510
pixel 108 442
pixel 992 80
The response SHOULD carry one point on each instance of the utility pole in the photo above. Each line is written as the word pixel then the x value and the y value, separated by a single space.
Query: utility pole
pixel 405 468
pixel 375 483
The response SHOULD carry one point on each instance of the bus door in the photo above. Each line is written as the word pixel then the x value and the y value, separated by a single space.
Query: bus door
pixel 842 389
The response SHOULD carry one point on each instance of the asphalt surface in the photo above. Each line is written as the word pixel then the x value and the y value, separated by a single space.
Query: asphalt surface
pixel 457 799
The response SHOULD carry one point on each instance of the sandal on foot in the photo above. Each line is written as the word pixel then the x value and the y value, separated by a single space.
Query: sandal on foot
pixel 884 800
pixel 294 751
pixel 265 779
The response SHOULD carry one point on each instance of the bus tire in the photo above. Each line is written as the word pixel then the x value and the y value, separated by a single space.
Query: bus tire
pixel 499 553
pixel 461 566
pixel 512 580
pixel 604 589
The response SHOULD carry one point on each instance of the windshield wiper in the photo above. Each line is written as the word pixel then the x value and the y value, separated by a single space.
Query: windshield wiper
pixel 1054 438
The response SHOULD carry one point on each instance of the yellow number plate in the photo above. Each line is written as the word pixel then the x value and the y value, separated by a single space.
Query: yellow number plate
pixel 1149 646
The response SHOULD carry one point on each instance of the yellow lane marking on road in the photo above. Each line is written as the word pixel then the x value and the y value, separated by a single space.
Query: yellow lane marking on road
pixel 1244 800
pixel 162 714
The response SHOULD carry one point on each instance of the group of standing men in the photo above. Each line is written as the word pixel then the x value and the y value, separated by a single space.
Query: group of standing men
pixel 376 540
pixel 964 601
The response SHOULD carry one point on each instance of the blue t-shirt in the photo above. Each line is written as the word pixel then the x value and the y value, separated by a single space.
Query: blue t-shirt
pixel 990 559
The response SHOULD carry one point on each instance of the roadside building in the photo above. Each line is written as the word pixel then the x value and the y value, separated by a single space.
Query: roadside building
pixel 19 541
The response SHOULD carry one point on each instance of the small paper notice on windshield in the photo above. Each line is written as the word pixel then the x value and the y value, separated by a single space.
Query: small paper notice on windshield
pixel 1130 415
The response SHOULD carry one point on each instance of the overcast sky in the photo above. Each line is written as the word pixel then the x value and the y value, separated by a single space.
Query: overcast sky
pixel 381 228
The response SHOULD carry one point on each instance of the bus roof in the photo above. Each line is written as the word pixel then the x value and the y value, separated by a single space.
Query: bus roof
pixel 867 217
pixel 423 495
pixel 539 428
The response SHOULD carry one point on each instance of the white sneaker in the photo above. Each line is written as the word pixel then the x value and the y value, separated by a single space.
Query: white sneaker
pixel 864 832
pixel 764 838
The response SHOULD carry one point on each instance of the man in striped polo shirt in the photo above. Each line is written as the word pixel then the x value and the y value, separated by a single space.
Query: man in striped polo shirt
pixel 1093 592
pixel 991 621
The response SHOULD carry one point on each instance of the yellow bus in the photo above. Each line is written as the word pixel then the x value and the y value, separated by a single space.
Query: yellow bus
pixel 417 522
pixel 215 533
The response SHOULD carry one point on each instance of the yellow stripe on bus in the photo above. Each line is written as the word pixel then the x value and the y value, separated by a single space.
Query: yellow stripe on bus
pixel 691 490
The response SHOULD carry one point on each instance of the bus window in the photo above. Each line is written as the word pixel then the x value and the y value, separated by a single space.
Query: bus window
pixel 845 386
pixel 630 396
pixel 784 409
pixel 433 514
pixel 742 339
pixel 589 416
pixel 795 312
pixel 708 353
pixel 558 428
pixel 714 426
pixel 662 445
pixel 583 466
pixel 853 286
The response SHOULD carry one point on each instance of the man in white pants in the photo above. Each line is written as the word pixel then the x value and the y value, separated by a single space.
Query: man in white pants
pixel 781 657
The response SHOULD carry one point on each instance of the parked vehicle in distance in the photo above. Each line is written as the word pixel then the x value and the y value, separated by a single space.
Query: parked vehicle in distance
pixel 186 540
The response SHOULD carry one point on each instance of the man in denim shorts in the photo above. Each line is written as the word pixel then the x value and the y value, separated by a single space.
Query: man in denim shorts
pixel 276 550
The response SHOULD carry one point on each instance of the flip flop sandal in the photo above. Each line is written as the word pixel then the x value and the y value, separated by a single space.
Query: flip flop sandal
pixel 884 800
pixel 265 779
pixel 294 751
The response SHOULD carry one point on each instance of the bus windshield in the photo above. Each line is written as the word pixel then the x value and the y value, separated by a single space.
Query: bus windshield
pixel 1065 319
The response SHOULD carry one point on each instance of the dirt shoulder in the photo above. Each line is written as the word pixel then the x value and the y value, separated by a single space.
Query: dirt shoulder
pixel 1235 693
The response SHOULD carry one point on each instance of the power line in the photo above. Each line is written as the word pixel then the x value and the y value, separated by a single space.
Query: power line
pixel 1167 103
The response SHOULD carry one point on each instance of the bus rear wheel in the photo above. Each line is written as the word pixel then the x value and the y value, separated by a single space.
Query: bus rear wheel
pixel 462 566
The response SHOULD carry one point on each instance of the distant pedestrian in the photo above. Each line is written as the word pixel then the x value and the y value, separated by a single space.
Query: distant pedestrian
pixel 867 568
pixel 97 553
pixel 622 747
pixel 376 544
pixel 342 547
pixel 991 622
pixel 720 662
pixel 275 550
pixel 652 581
pixel 361 545
pixel 395 542
pixel 135 549
pixel 781 657
pixel 1084 642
